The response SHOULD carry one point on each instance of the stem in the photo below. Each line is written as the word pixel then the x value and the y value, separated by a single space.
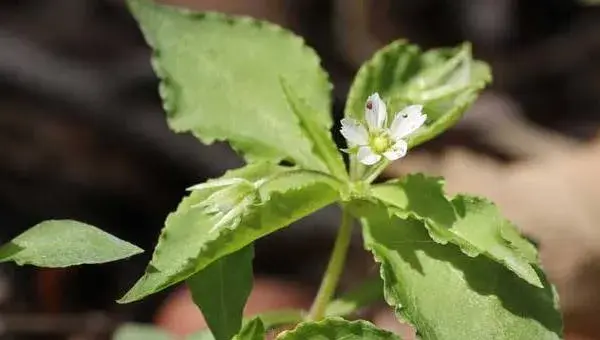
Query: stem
pixel 334 268
pixel 376 170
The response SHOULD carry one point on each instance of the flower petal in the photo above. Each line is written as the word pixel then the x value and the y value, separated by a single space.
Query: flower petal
pixel 375 112
pixel 366 156
pixel 407 121
pixel 397 151
pixel 354 132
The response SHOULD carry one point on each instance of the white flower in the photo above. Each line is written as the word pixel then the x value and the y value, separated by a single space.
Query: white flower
pixel 377 139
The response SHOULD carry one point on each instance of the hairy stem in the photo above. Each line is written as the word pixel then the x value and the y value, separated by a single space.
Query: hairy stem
pixel 334 268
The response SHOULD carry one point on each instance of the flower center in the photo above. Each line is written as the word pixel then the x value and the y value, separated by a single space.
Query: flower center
pixel 380 143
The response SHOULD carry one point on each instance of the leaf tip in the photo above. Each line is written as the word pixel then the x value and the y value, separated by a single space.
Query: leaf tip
pixel 535 280
pixel 135 293
pixel 127 298
pixel 135 250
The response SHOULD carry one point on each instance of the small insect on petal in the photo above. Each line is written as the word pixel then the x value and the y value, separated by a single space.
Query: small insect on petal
pixel 407 121
pixel 375 112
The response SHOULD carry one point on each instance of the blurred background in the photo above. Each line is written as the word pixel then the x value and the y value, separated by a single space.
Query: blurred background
pixel 82 136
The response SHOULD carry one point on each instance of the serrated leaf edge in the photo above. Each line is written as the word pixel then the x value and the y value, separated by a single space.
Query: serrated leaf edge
pixel 187 270
pixel 169 95
pixel 455 238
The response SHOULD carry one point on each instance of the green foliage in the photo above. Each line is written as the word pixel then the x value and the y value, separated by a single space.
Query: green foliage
pixel 190 242
pixel 337 329
pixel 134 331
pixel 445 81
pixel 220 79
pixel 221 291
pixel 320 136
pixel 448 295
pixel 472 223
pixel 252 330
pixel 263 90
pixel 63 243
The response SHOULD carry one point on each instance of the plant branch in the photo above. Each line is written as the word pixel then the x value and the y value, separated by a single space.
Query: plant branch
pixel 375 171
pixel 334 268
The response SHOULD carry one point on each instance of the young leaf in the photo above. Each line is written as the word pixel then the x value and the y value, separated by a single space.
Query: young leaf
pixel 447 295
pixel 220 80
pixel 63 243
pixel 133 331
pixel 252 330
pixel 323 143
pixel 221 291
pixel 216 221
pixel 337 329
pixel 474 224
pixel 446 81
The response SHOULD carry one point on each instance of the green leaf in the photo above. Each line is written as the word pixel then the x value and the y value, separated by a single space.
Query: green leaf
pixel 445 81
pixel 423 196
pixel 320 136
pixel 64 243
pixel 215 221
pixel 447 295
pixel 368 292
pixel 221 291
pixel 220 80
pixel 135 331
pixel 449 83
pixel 472 223
pixel 252 330
pixel 337 329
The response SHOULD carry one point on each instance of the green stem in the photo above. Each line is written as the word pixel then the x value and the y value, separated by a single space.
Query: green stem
pixel 375 171
pixel 334 268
